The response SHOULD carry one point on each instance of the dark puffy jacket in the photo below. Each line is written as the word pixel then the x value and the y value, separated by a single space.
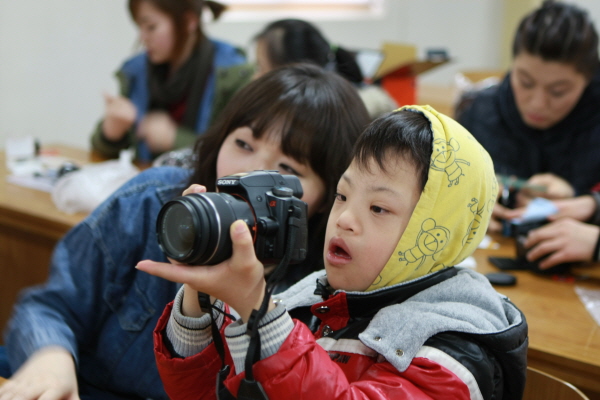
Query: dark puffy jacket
pixel 569 149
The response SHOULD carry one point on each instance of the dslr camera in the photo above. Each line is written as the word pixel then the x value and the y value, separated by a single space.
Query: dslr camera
pixel 520 232
pixel 194 229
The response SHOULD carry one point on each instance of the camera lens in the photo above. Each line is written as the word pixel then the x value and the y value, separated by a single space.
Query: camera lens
pixel 194 229
pixel 179 228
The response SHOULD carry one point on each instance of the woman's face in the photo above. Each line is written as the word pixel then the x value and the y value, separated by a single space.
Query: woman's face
pixel 545 91
pixel 263 63
pixel 157 32
pixel 241 152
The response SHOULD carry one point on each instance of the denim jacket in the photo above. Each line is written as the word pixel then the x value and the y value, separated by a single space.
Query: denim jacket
pixel 95 303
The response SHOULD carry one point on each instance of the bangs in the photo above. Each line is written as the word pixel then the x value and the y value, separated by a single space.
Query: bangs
pixel 299 128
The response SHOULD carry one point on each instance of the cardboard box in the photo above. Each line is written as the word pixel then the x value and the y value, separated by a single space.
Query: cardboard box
pixel 400 67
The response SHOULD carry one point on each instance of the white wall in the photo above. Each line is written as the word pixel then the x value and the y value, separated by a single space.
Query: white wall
pixel 57 57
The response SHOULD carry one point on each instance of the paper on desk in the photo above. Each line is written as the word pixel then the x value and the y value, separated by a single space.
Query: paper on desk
pixel 468 262
pixel 38 173
pixel 537 209
pixel 43 183
pixel 591 300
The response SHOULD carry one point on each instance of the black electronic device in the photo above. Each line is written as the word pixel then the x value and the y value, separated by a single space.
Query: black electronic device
pixel 194 229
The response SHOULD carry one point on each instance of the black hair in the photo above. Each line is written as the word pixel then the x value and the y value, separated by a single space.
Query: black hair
pixel 319 114
pixel 293 40
pixel 559 32
pixel 404 133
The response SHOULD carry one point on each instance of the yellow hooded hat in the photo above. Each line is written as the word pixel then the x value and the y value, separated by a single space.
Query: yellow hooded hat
pixel 453 213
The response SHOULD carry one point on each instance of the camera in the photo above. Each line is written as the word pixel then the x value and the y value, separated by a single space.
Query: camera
pixel 520 230
pixel 194 229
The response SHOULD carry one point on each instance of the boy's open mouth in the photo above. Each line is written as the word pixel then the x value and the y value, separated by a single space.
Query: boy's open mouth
pixel 338 250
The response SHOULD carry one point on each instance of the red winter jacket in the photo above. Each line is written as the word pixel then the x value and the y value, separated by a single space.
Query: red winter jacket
pixel 302 369
pixel 449 363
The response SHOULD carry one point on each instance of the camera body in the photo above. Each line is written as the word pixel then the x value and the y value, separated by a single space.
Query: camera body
pixel 194 229
pixel 520 231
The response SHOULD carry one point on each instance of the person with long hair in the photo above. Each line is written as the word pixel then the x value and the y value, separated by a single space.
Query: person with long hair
pixel 288 41
pixel 88 330
pixel 174 90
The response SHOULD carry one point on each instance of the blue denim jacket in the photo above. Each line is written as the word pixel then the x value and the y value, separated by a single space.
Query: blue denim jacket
pixel 95 303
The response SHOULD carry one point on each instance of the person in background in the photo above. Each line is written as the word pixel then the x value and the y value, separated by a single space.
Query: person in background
pixel 288 41
pixel 173 91
pixel 391 317
pixel 541 123
pixel 88 330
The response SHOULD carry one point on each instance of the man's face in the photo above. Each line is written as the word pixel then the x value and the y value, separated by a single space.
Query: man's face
pixel 368 218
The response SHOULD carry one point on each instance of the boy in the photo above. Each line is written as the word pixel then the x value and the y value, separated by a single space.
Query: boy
pixel 396 319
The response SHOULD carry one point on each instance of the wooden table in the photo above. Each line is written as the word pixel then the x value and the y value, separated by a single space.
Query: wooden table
pixel 30 226
pixel 564 338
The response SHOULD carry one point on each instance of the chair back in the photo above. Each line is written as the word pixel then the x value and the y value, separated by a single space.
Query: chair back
pixel 541 385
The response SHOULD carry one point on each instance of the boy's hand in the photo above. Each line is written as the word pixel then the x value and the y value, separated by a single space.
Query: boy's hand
pixel 119 116
pixel 565 240
pixel 238 281
pixel 49 374
pixel 158 130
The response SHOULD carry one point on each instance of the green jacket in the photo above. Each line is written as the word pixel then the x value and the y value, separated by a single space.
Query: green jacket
pixel 226 80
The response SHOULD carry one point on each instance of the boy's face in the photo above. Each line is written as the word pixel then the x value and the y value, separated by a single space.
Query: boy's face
pixel 370 213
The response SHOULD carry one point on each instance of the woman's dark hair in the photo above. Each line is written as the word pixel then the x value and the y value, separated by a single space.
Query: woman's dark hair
pixel 178 10
pixel 403 133
pixel 559 32
pixel 319 114
pixel 290 41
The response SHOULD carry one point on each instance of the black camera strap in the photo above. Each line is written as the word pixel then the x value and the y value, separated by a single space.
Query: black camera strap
pixel 249 388
pixel 207 307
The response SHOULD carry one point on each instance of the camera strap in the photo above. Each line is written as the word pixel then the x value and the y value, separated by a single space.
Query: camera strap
pixel 249 388
pixel 207 307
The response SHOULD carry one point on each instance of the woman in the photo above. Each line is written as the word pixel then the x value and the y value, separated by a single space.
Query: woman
pixel 173 91
pixel 542 122
pixel 89 329
pixel 288 41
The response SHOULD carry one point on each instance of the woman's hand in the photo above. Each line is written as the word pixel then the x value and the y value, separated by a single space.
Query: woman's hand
pixel 158 130
pixel 238 281
pixel 581 208
pixel 565 240
pixel 500 214
pixel 119 117
pixel 49 374
pixel 545 185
